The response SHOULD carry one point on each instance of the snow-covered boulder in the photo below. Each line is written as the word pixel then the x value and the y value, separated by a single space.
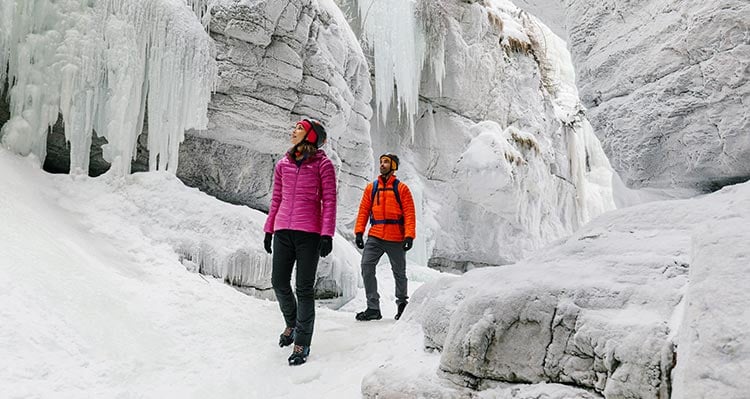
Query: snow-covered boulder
pixel 392 382
pixel 713 358
pixel 601 310
pixel 280 61
pixel 666 84
pixel 502 159
pixel 208 236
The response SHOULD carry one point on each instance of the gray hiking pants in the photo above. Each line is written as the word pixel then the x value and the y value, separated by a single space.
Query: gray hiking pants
pixel 374 249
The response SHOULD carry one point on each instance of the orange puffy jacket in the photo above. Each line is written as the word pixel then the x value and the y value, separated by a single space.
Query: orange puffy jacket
pixel 389 221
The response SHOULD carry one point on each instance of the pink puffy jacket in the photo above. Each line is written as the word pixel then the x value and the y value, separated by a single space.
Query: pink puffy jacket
pixel 304 197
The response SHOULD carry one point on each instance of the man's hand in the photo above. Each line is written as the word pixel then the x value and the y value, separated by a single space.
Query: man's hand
pixel 408 242
pixel 267 242
pixel 359 241
pixel 326 245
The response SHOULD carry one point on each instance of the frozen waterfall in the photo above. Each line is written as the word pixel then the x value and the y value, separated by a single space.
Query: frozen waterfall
pixel 105 66
pixel 398 44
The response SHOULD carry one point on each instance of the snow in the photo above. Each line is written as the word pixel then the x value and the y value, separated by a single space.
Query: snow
pixel 97 303
pixel 330 7
pixel 592 174
pixel 613 307
pixel 97 64
pixel 507 12
pixel 714 339
pixel 103 281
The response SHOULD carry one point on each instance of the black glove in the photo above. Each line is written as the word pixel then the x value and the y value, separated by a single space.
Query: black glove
pixel 325 246
pixel 408 242
pixel 359 241
pixel 267 242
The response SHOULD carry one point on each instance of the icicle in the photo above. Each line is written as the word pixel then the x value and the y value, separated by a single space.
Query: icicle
pixel 7 11
pixel 97 64
pixel 398 44
pixel 202 10
pixel 433 19
pixel 590 171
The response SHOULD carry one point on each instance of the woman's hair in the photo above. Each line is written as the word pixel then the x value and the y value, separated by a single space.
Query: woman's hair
pixel 305 148
pixel 315 136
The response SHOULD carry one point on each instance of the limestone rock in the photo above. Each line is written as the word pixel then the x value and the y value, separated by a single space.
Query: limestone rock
pixel 280 62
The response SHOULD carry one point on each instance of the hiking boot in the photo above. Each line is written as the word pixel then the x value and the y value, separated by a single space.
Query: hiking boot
pixel 287 337
pixel 299 355
pixel 401 307
pixel 369 314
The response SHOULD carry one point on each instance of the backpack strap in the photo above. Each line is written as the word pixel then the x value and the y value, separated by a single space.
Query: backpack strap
pixel 374 192
pixel 395 192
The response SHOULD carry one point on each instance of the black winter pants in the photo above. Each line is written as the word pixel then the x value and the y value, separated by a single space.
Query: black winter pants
pixel 290 246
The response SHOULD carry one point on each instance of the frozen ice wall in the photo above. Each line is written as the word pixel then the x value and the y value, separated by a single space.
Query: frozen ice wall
pixel 502 149
pixel 105 66
pixel 398 44
pixel 591 172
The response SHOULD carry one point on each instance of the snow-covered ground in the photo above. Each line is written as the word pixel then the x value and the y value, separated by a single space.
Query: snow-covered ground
pixel 96 304
pixel 638 303
pixel 98 300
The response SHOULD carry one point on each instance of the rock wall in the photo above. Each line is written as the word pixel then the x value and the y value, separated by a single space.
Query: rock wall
pixel 280 62
pixel 667 87
pixel 500 165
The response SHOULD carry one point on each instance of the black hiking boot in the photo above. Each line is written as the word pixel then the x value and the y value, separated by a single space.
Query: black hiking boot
pixel 287 337
pixel 299 355
pixel 401 307
pixel 369 314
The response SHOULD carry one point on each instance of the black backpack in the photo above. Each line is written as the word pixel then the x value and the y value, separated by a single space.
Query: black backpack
pixel 375 189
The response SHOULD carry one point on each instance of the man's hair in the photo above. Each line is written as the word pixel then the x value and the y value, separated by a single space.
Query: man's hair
pixel 394 160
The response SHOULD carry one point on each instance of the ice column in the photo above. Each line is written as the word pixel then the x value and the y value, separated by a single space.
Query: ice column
pixel 591 172
pixel 397 41
pixel 99 64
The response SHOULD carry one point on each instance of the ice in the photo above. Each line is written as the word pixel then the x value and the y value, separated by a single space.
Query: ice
pixel 592 173
pixel 434 21
pixel 202 9
pixel 398 44
pixel 505 14
pixel 98 65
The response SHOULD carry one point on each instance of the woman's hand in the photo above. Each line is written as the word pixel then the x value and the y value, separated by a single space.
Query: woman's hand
pixel 267 242
pixel 326 245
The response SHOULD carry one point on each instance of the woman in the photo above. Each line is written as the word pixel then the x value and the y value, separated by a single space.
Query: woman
pixel 302 218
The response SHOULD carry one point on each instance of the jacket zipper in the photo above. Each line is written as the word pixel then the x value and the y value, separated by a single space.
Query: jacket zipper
pixel 294 193
pixel 382 208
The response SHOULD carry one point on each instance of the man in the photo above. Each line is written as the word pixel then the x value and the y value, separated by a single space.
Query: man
pixel 389 206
